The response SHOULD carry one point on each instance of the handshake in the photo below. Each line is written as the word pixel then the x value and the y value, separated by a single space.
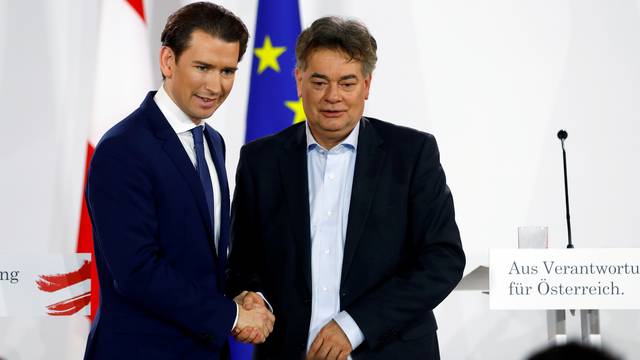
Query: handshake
pixel 255 320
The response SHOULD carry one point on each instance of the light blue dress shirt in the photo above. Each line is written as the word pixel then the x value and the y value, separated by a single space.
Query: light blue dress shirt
pixel 330 181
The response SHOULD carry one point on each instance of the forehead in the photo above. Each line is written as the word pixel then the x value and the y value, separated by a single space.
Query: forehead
pixel 201 42
pixel 332 61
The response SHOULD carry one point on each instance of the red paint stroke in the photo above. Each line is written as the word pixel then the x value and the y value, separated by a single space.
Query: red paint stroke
pixel 51 283
pixel 69 306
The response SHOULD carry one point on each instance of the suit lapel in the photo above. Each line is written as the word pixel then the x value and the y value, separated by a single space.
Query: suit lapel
pixel 174 149
pixel 370 158
pixel 215 147
pixel 293 172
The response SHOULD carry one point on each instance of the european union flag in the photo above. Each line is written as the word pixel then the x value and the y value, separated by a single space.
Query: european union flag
pixel 273 99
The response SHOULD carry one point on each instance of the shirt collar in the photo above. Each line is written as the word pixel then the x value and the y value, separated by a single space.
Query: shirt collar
pixel 178 120
pixel 350 141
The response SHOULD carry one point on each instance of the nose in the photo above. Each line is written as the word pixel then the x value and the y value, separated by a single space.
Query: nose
pixel 213 83
pixel 333 94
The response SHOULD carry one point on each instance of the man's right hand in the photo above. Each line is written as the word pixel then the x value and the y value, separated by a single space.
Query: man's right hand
pixel 255 321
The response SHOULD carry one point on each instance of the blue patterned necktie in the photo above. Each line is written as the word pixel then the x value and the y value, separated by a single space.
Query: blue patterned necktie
pixel 203 170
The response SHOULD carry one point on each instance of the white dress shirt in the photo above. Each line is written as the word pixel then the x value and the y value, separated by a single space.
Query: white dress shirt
pixel 330 183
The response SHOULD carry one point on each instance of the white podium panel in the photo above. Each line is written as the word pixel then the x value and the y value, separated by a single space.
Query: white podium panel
pixel 564 279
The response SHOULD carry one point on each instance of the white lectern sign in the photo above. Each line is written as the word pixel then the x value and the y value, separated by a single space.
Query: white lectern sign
pixel 564 279
pixel 45 284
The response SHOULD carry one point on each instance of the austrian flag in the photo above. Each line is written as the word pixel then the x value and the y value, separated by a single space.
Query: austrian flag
pixel 123 77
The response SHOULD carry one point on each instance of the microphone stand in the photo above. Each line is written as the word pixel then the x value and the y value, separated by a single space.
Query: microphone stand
pixel 562 135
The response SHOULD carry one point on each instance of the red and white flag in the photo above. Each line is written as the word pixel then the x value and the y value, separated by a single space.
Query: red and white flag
pixel 123 77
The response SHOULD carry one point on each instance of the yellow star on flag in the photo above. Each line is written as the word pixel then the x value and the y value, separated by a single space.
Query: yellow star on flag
pixel 298 110
pixel 268 55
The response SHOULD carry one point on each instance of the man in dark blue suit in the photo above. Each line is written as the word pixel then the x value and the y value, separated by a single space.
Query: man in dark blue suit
pixel 159 203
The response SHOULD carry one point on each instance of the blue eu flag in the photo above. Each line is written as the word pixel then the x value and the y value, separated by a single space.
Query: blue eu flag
pixel 273 99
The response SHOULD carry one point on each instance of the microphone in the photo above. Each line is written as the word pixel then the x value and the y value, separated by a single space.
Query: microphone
pixel 562 135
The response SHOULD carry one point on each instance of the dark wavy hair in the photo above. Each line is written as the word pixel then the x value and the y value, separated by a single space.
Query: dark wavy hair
pixel 346 35
pixel 208 17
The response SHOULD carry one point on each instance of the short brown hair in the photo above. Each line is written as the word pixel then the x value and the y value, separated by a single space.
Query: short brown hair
pixel 208 17
pixel 332 32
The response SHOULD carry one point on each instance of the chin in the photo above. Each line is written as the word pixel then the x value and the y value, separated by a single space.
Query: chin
pixel 334 123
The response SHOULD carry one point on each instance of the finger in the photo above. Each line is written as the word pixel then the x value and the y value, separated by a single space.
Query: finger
pixel 258 337
pixel 251 334
pixel 244 335
pixel 271 320
pixel 237 331
pixel 266 316
pixel 325 349
pixel 253 300
pixel 266 333
pixel 315 346
pixel 255 334
pixel 343 355
pixel 239 298
pixel 248 301
pixel 270 325
pixel 258 299
pixel 333 353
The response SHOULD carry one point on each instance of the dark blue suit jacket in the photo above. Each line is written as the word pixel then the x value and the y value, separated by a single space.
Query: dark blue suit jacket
pixel 402 252
pixel 161 282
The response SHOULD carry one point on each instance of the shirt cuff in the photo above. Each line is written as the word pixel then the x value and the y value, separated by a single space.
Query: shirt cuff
pixel 265 300
pixel 235 322
pixel 350 328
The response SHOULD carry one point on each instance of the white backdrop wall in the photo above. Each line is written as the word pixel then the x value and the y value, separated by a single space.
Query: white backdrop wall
pixel 493 80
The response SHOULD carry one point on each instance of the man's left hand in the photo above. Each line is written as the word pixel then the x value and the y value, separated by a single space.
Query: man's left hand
pixel 330 343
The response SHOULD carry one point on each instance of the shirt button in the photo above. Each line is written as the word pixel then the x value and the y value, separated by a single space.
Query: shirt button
pixel 332 177
pixel 324 288
pixel 329 213
pixel 326 251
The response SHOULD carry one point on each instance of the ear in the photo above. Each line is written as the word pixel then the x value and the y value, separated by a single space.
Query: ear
pixel 298 74
pixel 167 61
pixel 367 86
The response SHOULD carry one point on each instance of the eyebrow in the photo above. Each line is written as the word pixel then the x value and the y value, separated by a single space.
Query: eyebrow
pixel 198 62
pixel 325 77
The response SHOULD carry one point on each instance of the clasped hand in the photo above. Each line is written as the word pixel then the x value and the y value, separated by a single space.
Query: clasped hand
pixel 255 321
pixel 330 343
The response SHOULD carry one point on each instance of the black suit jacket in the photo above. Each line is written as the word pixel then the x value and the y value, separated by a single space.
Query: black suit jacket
pixel 161 282
pixel 402 253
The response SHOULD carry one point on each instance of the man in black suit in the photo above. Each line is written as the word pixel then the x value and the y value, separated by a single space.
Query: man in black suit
pixel 159 203
pixel 344 224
